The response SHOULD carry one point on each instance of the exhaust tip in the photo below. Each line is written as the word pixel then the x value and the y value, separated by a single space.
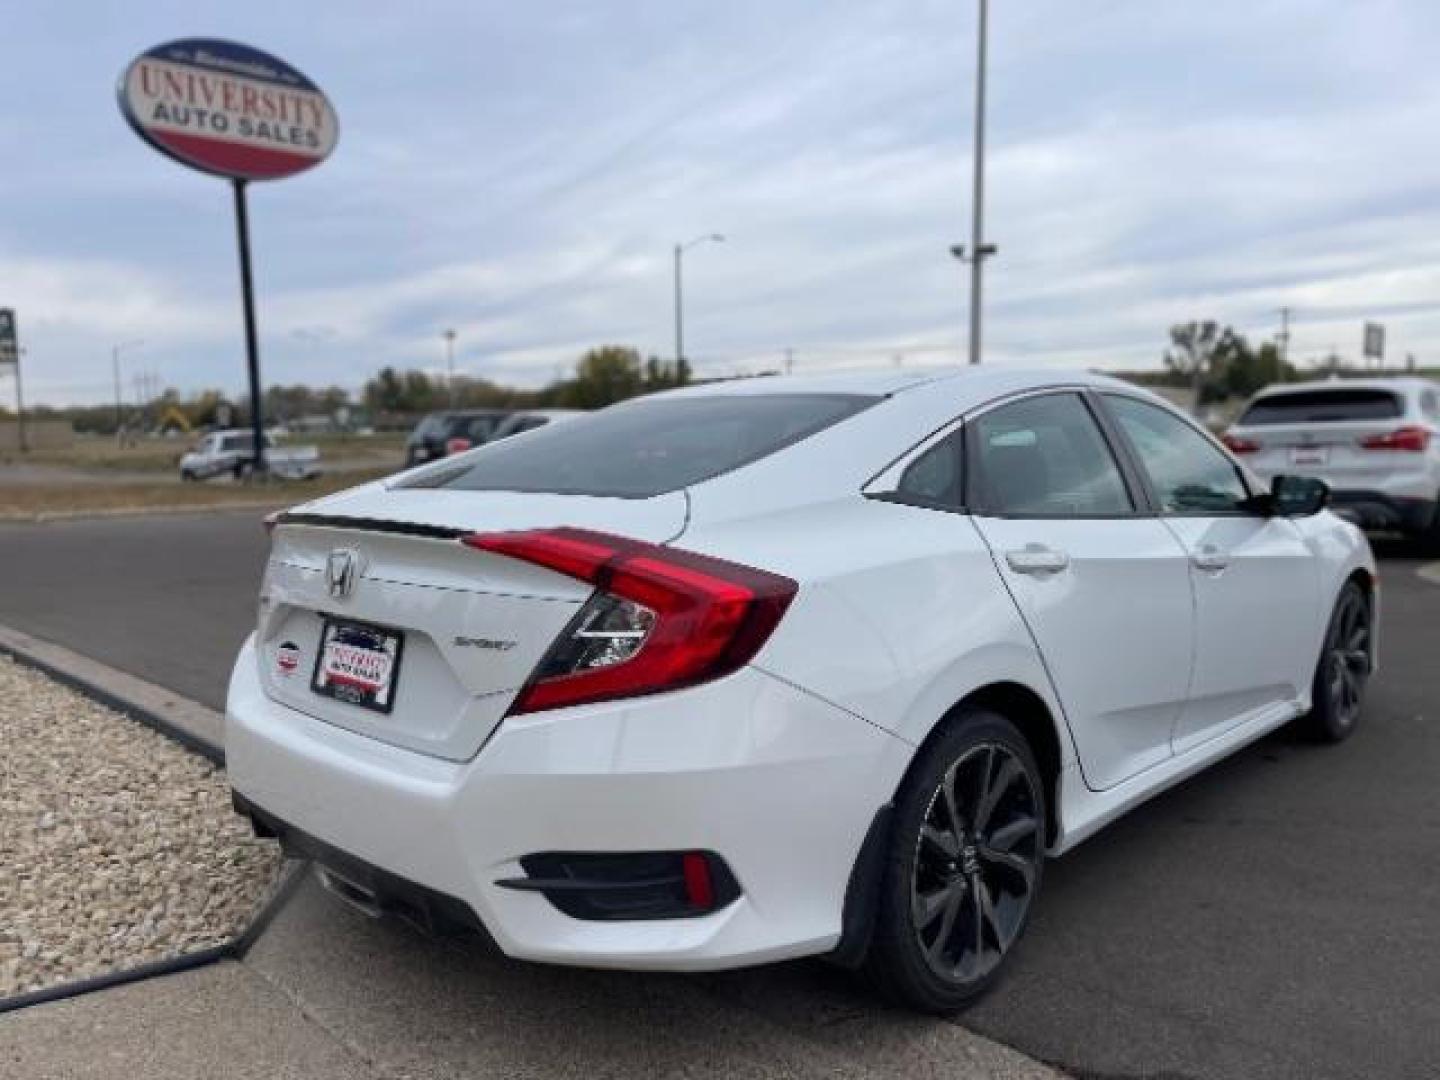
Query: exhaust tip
pixel 354 895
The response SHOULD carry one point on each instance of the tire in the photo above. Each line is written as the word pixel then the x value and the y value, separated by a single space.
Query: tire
pixel 1428 538
pixel 954 899
pixel 186 475
pixel 1337 693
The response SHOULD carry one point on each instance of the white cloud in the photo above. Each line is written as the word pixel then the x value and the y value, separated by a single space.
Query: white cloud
pixel 519 173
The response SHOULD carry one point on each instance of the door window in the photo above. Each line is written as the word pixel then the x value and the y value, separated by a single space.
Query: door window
pixel 1045 457
pixel 1189 474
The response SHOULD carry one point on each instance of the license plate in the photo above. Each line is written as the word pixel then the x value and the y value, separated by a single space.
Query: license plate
pixel 358 664
pixel 1309 455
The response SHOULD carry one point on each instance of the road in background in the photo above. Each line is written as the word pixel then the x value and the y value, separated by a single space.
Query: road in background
pixel 1273 917
pixel 167 598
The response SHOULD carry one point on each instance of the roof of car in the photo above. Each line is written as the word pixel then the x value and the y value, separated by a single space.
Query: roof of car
pixel 1397 382
pixel 977 381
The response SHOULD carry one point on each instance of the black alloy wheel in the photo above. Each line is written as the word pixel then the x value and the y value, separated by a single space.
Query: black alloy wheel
pixel 967 853
pixel 1338 692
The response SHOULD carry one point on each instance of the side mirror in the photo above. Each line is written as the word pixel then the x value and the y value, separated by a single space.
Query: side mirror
pixel 1298 496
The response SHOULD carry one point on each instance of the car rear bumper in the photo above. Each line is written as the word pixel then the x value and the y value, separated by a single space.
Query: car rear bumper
pixel 781 785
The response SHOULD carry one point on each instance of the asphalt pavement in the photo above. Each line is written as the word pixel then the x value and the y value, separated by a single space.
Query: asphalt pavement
pixel 1274 917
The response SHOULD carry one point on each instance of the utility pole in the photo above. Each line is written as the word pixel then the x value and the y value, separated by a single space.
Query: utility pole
pixel 680 249
pixel 789 361
pixel 679 307
pixel 449 336
pixel 978 247
pixel 1284 336
pixel 115 370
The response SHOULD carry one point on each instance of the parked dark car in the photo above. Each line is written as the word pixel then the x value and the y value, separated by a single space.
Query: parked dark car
pixel 531 419
pixel 444 433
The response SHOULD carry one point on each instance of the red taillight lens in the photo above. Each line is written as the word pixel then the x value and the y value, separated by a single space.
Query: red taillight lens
pixel 1237 445
pixel 457 445
pixel 660 618
pixel 1414 440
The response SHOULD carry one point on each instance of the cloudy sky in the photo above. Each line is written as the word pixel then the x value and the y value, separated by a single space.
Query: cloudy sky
pixel 519 171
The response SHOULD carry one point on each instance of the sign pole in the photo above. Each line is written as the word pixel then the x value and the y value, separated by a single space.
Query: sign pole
pixel 252 346
pixel 20 404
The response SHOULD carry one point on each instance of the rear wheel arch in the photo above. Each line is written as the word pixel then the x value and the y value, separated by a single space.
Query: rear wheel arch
pixel 1028 711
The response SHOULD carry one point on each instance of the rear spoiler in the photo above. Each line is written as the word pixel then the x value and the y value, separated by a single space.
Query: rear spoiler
pixel 374 525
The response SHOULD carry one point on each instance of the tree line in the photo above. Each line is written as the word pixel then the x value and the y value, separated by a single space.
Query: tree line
pixel 602 376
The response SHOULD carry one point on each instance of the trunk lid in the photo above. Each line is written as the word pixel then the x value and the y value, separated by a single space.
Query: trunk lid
pixel 472 625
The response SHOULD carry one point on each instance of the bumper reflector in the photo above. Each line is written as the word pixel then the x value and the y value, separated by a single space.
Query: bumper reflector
pixel 605 886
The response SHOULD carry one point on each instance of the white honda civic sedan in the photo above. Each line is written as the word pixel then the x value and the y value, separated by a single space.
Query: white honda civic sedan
pixel 781 667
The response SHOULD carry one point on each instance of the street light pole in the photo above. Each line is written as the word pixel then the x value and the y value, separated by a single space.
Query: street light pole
pixel 979 250
pixel 450 367
pixel 115 351
pixel 20 401
pixel 680 249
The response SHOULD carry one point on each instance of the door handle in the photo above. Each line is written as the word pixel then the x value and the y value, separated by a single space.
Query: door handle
pixel 1037 559
pixel 1210 558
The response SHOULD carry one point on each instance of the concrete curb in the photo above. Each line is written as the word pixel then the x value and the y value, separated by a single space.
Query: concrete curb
pixel 44 517
pixel 187 722
pixel 292 875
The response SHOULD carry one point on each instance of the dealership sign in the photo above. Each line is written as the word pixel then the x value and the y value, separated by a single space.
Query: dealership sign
pixel 228 109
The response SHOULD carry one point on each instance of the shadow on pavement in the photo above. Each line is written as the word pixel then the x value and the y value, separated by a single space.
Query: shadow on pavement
pixel 458 1007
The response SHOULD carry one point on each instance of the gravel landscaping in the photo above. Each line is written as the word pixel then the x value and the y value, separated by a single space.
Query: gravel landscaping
pixel 117 847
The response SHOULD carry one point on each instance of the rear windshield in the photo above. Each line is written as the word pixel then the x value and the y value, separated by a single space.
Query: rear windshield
pixel 1318 406
pixel 649 447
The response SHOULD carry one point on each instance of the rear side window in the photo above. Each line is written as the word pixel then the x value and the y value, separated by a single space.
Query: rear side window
pixel 1044 456
pixel 480 428
pixel 648 447
pixel 1321 406
pixel 430 427
pixel 936 477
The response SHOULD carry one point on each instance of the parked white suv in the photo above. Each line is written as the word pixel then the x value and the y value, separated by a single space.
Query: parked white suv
pixel 1376 442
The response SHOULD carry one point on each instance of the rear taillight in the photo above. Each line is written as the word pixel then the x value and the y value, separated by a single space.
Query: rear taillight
pixel 659 619
pixel 457 445
pixel 1238 445
pixel 1414 440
